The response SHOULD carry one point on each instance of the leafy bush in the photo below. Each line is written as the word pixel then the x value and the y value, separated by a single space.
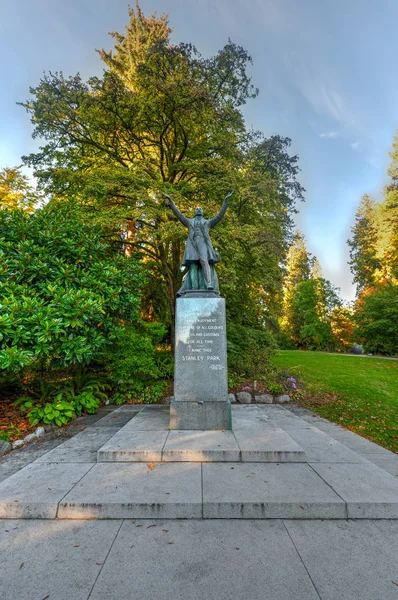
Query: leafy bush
pixel 64 289
pixel 135 365
pixel 60 411
pixel 249 350
pixel 275 388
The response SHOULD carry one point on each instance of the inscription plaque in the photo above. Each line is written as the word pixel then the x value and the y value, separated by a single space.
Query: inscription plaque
pixel 200 376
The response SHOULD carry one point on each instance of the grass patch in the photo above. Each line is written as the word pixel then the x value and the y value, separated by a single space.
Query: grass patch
pixel 360 393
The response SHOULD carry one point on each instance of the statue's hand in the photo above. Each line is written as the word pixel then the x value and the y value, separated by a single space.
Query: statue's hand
pixel 229 195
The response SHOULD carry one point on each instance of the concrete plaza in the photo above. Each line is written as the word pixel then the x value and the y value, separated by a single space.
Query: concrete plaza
pixel 76 525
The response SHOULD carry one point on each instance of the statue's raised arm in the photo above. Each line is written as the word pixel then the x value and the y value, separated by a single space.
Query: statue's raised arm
pixel 175 210
pixel 217 218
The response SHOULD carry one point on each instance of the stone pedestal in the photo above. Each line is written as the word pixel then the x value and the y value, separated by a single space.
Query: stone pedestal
pixel 200 375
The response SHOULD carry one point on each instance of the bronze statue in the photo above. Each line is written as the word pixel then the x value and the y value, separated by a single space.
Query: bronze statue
pixel 200 256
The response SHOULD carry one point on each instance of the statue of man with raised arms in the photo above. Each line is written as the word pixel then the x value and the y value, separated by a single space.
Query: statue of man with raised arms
pixel 200 256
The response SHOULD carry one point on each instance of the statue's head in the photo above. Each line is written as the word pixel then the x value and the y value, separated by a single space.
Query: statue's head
pixel 198 211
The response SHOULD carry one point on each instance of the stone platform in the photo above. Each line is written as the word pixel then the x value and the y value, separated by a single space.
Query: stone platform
pixel 255 438
pixel 336 477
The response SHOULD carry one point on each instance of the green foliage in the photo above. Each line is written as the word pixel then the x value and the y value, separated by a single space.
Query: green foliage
pixel 308 302
pixel 376 319
pixel 275 388
pixel 86 402
pixel 64 289
pixel 313 302
pixel 10 432
pixel 80 382
pixel 15 191
pixel 249 350
pixel 59 411
pixel 135 364
pixel 164 118
pixel 234 380
pixel 363 245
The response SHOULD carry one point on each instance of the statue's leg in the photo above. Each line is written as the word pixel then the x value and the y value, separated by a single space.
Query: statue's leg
pixel 214 278
pixel 206 272
pixel 194 276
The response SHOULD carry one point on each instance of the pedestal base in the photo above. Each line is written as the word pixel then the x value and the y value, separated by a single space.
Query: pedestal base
pixel 200 415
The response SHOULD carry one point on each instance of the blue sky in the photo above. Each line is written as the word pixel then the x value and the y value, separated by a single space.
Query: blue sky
pixel 326 73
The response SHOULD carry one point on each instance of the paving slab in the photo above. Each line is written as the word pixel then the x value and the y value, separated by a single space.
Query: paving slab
pixel 133 446
pixel 369 492
pixel 117 418
pixel 349 560
pixel 201 446
pixel 267 491
pixel 136 490
pixel 35 491
pixel 58 560
pixel 151 417
pixel 387 464
pixel 265 441
pixel 197 560
pixel 320 447
pixel 82 447
pixel 17 460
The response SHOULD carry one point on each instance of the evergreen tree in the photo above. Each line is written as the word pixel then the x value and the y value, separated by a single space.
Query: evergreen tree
pixel 298 270
pixel 363 245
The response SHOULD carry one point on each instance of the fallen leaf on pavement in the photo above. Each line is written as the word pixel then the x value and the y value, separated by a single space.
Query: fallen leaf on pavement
pixel 154 525
pixel 83 427
pixel 21 565
pixel 151 466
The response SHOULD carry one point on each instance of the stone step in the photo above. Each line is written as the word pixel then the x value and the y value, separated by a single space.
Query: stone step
pixel 186 490
pixel 255 438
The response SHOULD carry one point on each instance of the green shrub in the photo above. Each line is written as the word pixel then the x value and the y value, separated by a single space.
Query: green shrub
pixel 64 289
pixel 249 350
pixel 60 411
pixel 135 365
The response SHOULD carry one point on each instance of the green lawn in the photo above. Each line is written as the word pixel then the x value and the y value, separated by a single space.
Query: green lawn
pixel 360 393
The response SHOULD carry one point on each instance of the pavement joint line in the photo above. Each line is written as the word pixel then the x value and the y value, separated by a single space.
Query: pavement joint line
pixel 237 443
pixel 162 450
pixel 106 558
pixel 332 488
pixel 201 483
pixel 59 502
pixel 301 559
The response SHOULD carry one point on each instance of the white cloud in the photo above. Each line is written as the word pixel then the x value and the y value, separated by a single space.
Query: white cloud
pixel 329 134
pixel 355 145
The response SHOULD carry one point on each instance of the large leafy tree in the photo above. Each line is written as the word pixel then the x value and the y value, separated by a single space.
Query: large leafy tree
pixel 163 118
pixel 16 192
